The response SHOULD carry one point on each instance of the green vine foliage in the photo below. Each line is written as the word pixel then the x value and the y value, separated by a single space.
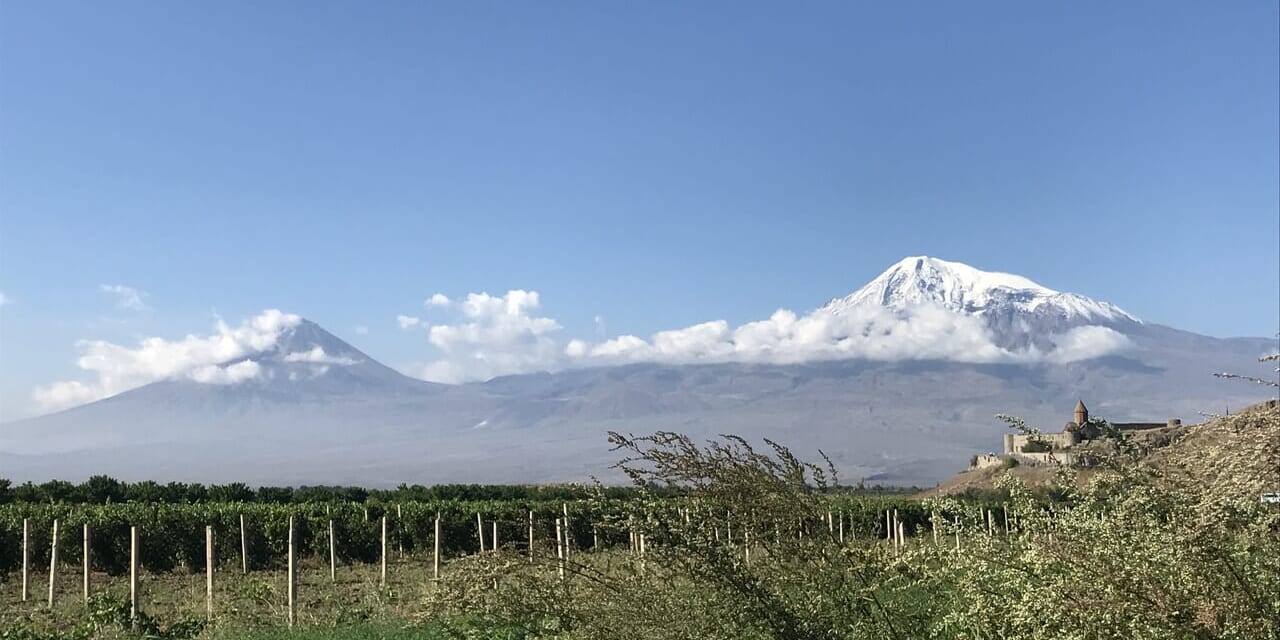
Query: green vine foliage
pixel 1149 548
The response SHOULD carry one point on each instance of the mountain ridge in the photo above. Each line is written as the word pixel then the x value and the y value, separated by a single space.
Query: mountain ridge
pixel 317 409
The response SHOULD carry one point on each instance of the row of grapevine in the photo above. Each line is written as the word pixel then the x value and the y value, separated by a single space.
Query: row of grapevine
pixel 173 534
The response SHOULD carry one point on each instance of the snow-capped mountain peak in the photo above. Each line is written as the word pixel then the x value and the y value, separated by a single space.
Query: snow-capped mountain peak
pixel 961 288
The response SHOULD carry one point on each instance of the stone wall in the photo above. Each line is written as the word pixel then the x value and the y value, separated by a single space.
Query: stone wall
pixel 1013 443
pixel 992 460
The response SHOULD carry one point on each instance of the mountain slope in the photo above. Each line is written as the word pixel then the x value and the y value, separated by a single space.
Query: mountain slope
pixel 317 410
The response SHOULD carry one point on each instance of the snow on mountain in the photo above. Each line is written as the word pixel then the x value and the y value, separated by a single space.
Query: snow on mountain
pixel 301 406
pixel 959 287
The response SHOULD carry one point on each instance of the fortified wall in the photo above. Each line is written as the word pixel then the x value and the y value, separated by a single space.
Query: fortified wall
pixel 1057 448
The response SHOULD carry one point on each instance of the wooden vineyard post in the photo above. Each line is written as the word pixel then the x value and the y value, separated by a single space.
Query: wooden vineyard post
pixel 831 525
pixel 902 536
pixel 991 523
pixel 133 573
pixel 26 559
pixel 87 563
pixel 560 548
pixel 746 546
pixel 53 563
pixel 595 538
pixel 933 524
pixel 493 540
pixel 841 527
pixel 728 527
pixel 293 573
pixel 383 579
pixel 1005 509
pixel 436 556
pixel 333 555
pixel 480 531
pixel 208 571
pixel 399 538
pixel 641 536
pixel 567 529
pixel 957 533
pixel 530 536
pixel 244 549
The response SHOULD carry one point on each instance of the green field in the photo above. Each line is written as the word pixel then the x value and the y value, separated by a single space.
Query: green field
pixel 1169 543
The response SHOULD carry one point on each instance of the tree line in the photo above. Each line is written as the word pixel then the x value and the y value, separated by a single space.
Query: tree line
pixel 101 489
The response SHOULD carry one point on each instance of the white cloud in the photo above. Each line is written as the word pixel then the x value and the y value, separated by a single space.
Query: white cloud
pixel 126 297
pixel 5 299
pixel 1083 343
pixel 230 374
pixel 120 368
pixel 362 331
pixel 317 355
pixel 437 300
pixel 501 335
pixel 496 335
pixel 408 322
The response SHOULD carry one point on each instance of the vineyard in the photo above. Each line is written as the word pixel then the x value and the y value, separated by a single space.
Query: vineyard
pixel 1171 543
pixel 173 535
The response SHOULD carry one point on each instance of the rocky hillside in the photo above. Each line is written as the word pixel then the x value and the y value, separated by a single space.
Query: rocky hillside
pixel 1232 455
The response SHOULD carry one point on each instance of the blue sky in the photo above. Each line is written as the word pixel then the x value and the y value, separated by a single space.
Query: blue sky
pixel 650 165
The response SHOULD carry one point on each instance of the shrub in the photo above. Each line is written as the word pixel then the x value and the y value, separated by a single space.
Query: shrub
pixel 1036 446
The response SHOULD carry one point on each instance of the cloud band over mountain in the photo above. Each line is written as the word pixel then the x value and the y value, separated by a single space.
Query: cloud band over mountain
pixel 503 335
pixel 920 309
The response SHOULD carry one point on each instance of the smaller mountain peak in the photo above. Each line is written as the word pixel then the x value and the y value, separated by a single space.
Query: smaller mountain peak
pixel 306 337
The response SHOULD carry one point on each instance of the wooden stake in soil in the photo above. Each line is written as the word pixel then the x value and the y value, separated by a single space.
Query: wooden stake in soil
pixel 436 540
pixel 560 547
pixel 208 571
pixel 333 555
pixel 53 563
pixel 1006 519
pixel 26 559
pixel 133 573
pixel 896 538
pixel 831 525
pixel 293 573
pixel 641 553
pixel 87 563
pixel 567 529
pixel 383 579
pixel 530 536
pixel 493 540
pixel 244 549
pixel 399 538
pixel 480 531
pixel 841 526
pixel 957 533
